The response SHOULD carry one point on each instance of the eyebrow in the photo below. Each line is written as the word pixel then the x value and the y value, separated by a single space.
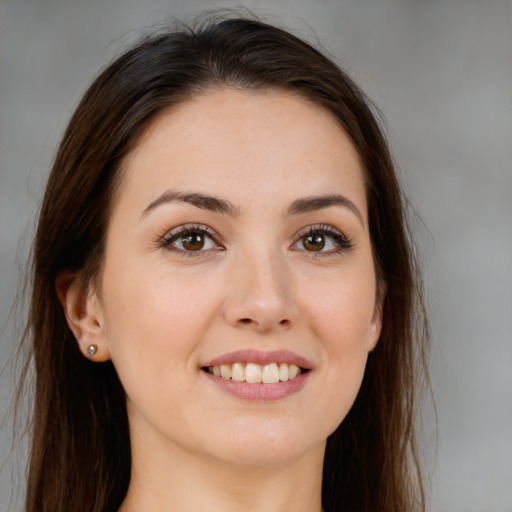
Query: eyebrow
pixel 202 201
pixel 309 204
pixel 214 204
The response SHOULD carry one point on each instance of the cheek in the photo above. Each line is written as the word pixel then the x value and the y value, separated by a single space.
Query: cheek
pixel 155 319
pixel 342 310
pixel 341 317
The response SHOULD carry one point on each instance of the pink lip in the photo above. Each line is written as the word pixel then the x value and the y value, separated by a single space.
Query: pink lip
pixel 260 392
pixel 260 357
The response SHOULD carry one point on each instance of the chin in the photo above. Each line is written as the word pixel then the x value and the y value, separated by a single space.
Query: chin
pixel 272 443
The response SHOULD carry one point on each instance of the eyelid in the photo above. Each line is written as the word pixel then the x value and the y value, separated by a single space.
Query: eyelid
pixel 337 236
pixel 166 240
pixel 340 239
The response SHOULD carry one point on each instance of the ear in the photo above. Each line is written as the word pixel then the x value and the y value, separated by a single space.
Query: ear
pixel 83 314
pixel 376 322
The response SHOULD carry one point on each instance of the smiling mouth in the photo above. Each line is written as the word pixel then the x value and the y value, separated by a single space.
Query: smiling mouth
pixel 253 373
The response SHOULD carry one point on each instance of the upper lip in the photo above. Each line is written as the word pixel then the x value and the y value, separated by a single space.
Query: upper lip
pixel 261 358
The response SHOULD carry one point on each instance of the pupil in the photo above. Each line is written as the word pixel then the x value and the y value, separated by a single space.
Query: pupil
pixel 193 242
pixel 314 242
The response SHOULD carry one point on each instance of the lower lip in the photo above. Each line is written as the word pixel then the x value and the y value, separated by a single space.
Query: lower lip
pixel 260 392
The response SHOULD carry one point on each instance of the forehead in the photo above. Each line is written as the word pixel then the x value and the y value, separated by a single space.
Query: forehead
pixel 266 142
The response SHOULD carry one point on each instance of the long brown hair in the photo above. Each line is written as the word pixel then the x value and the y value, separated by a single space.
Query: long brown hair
pixel 80 453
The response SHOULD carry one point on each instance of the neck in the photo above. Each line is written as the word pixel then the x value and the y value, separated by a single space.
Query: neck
pixel 175 479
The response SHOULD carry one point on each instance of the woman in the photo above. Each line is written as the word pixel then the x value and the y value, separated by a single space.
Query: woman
pixel 226 313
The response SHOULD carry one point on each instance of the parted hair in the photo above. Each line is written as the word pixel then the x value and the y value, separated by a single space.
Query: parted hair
pixel 80 448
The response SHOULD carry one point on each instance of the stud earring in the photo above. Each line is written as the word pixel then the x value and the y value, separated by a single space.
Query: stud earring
pixel 91 350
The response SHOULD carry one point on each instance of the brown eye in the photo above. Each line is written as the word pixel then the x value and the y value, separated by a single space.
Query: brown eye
pixel 322 240
pixel 313 242
pixel 193 242
pixel 189 240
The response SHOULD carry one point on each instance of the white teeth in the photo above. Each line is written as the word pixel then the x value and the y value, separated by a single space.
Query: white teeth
pixel 254 373
pixel 270 374
pixel 225 371
pixel 293 371
pixel 283 372
pixel 238 372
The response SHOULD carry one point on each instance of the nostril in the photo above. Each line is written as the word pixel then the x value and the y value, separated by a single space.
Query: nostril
pixel 285 322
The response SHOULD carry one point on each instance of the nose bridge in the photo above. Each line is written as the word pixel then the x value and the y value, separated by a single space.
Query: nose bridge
pixel 261 290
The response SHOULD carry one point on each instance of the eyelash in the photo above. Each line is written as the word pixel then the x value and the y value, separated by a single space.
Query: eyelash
pixel 167 240
pixel 341 242
pixel 175 234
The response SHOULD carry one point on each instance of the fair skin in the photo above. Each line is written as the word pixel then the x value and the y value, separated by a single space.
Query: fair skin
pixel 261 268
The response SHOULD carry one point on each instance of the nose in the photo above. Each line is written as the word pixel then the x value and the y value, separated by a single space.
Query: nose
pixel 261 294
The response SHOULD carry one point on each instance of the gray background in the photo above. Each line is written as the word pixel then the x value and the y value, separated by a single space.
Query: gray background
pixel 441 71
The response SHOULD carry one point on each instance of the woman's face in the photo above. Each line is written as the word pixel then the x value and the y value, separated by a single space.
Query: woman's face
pixel 239 244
